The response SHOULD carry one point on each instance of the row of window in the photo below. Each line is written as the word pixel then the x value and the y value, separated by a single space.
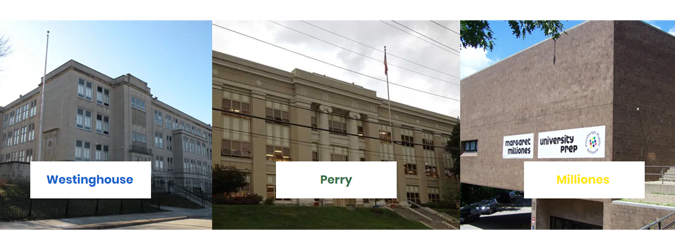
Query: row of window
pixel 179 125
pixel 85 91
pixel 196 167
pixel 159 164
pixel 194 146
pixel 20 114
pixel 21 156
pixel 83 121
pixel 413 194
pixel 83 151
pixel 19 136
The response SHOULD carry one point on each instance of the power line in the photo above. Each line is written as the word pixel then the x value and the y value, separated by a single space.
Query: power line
pixel 313 110
pixel 366 56
pixel 346 69
pixel 379 50
pixel 444 27
pixel 418 37
pixel 424 35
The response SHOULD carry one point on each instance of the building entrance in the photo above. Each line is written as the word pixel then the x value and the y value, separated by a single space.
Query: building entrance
pixel 560 223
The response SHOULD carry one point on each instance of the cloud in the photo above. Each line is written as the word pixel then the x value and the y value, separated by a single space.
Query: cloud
pixel 371 33
pixel 652 23
pixel 672 31
pixel 473 60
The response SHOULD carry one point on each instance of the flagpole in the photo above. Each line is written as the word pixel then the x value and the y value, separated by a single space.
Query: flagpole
pixel 42 101
pixel 391 124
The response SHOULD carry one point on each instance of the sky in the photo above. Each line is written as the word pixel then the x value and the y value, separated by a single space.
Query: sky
pixel 439 73
pixel 474 60
pixel 173 57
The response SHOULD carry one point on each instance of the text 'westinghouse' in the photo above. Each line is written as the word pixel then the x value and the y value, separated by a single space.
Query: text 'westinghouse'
pixel 91 181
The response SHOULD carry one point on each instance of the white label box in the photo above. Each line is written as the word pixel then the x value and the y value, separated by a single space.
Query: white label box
pixel 518 146
pixel 90 180
pixel 335 180
pixel 584 179
pixel 586 142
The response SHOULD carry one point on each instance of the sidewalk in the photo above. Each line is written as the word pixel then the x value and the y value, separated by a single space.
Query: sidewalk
pixel 112 221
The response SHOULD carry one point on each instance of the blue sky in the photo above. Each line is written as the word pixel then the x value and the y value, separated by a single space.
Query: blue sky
pixel 173 57
pixel 507 44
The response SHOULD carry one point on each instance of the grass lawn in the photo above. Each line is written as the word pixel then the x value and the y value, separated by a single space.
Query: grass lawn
pixel 293 217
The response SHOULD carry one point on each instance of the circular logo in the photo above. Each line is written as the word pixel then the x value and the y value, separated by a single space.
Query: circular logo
pixel 593 142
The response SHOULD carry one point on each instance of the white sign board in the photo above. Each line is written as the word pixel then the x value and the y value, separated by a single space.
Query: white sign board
pixel 572 143
pixel 518 146
pixel 336 180
pixel 584 179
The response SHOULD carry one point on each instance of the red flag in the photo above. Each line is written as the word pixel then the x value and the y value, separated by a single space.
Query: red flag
pixel 385 61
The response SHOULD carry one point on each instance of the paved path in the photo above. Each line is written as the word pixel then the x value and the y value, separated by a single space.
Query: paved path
pixel 205 223
pixel 101 222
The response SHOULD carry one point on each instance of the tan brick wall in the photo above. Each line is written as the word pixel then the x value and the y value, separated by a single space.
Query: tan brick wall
pixel 636 216
pixel 529 93
pixel 645 79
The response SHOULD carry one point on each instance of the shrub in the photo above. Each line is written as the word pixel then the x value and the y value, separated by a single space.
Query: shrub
pixel 248 199
pixel 376 211
pixel 269 201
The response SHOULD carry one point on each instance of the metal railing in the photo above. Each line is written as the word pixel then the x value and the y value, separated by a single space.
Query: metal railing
pixel 140 148
pixel 663 173
pixel 659 222
pixel 25 208
pixel 199 198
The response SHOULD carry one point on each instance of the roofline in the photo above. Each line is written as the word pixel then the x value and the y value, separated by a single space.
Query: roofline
pixel 183 113
pixel 514 54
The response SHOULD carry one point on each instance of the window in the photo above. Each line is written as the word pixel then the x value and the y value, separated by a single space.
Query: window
pixel 137 137
pixel 5 121
pixel 169 143
pixel 278 153
pixel 137 103
pixel 175 124
pixel 199 148
pixel 168 122
pixel 192 145
pixel 78 150
pixel 271 182
pixel 413 193
pixel 11 118
pixel 101 153
pixel 159 163
pixel 236 106
pixel 158 117
pixel 337 124
pixel 158 140
pixel 385 136
pixel 434 195
pixel 33 108
pixel 102 124
pixel 169 164
pixel 9 139
pixel 338 153
pixel 315 156
pixel 276 112
pixel 31 132
pixel 23 134
pixel 83 120
pixel 29 155
pixel 410 169
pixel 84 89
pixel 359 130
pixel 427 144
pixel 314 122
pixel 236 148
pixel 18 115
pixel 407 141
pixel 102 96
pixel 25 111
pixel 431 171
pixel 470 146
pixel 16 137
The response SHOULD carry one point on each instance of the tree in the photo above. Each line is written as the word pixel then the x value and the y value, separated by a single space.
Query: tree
pixel 228 179
pixel 5 47
pixel 478 34
pixel 453 147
